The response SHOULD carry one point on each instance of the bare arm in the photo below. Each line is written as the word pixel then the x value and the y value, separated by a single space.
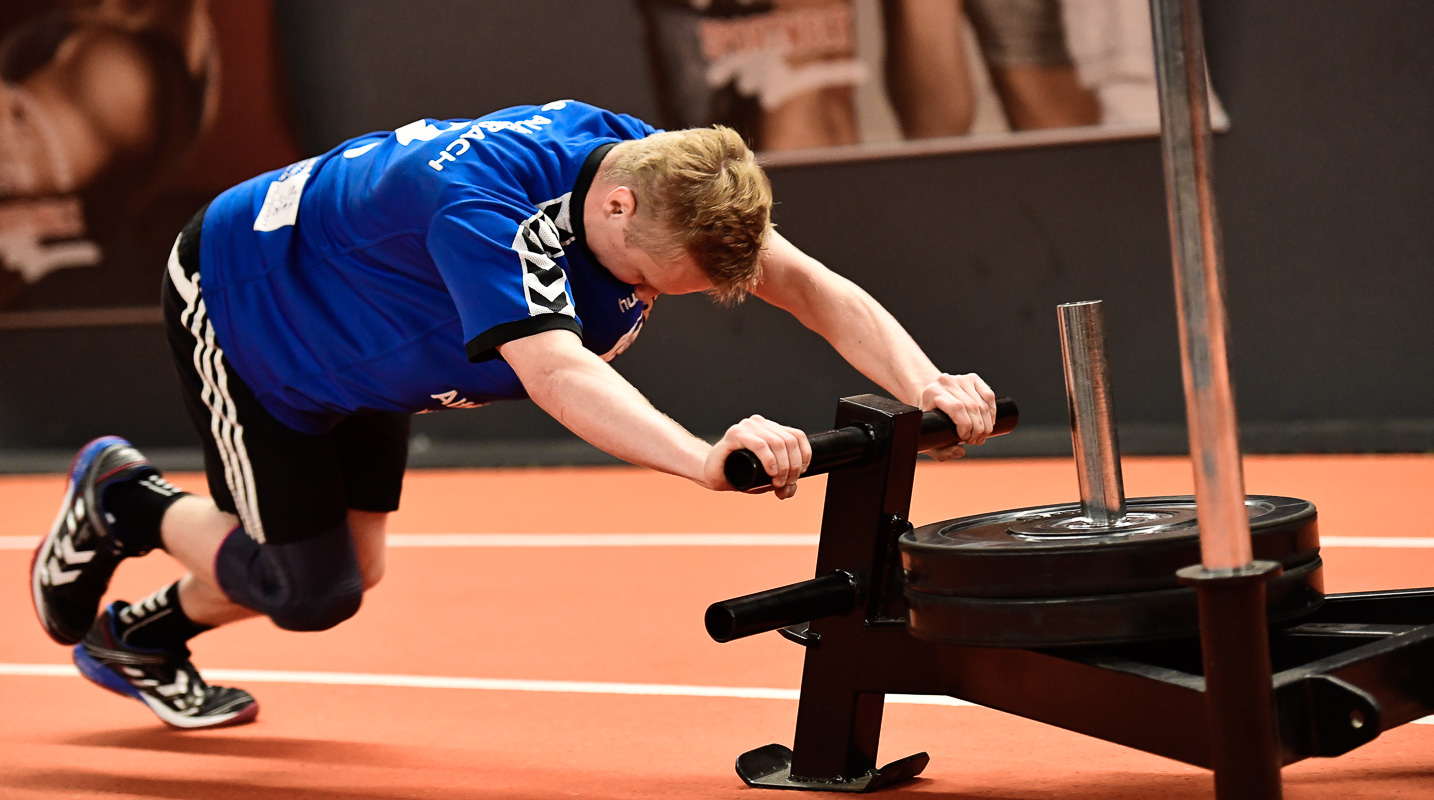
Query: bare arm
pixel 592 400
pixel 870 339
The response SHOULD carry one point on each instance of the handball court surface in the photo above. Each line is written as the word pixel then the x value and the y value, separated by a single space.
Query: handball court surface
pixel 496 662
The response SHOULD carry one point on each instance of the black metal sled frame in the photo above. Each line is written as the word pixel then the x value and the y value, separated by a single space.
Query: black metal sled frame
pixel 1356 667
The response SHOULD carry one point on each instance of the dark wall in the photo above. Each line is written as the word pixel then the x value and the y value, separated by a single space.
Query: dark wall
pixel 1323 182
pixel 1325 191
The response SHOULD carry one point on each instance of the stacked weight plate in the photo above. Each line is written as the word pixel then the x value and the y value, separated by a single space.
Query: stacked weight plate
pixel 1048 576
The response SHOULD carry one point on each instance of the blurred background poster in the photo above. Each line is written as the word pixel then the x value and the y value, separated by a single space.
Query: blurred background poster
pixel 118 120
pixel 800 74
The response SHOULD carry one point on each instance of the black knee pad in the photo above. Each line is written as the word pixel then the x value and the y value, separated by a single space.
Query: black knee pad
pixel 311 585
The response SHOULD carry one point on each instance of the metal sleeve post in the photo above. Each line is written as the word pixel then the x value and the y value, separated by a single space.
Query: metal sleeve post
pixel 1092 411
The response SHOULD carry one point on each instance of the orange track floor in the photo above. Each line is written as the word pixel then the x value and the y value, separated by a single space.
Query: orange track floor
pixel 629 615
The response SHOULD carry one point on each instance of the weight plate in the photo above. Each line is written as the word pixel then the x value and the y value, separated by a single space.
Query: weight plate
pixel 1051 551
pixel 1101 619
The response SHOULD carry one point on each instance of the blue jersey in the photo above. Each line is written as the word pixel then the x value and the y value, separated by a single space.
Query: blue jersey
pixel 384 274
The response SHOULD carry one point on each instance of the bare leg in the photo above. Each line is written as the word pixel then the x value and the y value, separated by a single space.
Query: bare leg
pixel 927 75
pixel 1045 97
pixel 823 118
pixel 194 528
pixel 370 531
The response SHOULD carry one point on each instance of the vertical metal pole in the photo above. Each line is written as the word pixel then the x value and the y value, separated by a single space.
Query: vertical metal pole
pixel 1092 411
pixel 1209 396
pixel 1233 628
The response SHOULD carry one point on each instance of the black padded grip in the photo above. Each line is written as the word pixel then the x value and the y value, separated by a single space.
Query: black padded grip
pixel 777 608
pixel 832 449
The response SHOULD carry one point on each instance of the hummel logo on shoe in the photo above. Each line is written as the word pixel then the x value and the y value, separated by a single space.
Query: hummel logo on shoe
pixel 179 694
pixel 64 562
pixel 72 566
pixel 165 681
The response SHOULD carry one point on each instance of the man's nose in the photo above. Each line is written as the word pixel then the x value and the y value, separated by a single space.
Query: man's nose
pixel 645 292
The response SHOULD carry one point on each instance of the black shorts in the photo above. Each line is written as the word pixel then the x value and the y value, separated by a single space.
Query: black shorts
pixel 285 486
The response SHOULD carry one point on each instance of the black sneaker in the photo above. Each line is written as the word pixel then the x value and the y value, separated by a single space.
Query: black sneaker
pixel 72 566
pixel 165 681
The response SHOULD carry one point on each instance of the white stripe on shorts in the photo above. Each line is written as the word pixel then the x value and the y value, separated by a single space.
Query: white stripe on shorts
pixel 224 423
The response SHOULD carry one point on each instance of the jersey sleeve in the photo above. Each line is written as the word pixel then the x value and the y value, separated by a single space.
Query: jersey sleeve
pixel 501 264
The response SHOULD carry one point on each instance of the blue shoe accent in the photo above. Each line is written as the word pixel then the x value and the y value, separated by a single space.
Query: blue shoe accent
pixel 165 681
pixel 102 676
pixel 89 452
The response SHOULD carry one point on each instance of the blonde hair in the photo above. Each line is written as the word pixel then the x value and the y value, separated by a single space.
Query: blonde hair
pixel 705 196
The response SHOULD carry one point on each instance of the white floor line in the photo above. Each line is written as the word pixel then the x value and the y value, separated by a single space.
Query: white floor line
pixel 703 540
pixel 242 676
pixel 554 540
pixel 1389 542
pixel 602 540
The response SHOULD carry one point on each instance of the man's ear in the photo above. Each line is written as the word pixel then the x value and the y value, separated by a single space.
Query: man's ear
pixel 619 202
